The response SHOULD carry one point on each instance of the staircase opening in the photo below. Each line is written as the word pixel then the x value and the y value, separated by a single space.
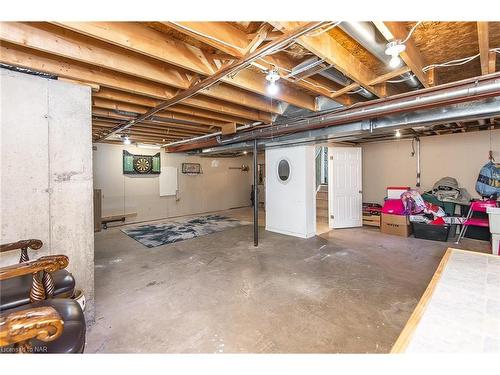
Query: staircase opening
pixel 321 161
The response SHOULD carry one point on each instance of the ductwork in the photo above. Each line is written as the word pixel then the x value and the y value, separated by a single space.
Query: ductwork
pixel 464 91
pixel 471 111
pixel 315 65
pixel 366 34
pixel 429 98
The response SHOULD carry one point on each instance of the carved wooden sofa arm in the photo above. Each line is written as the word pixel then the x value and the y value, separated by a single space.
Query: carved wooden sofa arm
pixel 23 245
pixel 19 327
pixel 41 269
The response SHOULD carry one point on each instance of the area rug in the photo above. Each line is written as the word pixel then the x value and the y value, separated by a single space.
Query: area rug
pixel 152 235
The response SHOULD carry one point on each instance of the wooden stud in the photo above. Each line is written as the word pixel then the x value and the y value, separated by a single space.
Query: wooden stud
pixel 229 128
pixel 484 46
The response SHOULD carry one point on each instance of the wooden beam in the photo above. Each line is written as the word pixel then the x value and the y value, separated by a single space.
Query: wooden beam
pixel 432 77
pixel 108 104
pixel 318 85
pixel 492 62
pixel 229 128
pixel 328 49
pixel 258 38
pixel 234 101
pixel 245 79
pixel 234 42
pixel 148 42
pixel 152 129
pixel 484 47
pixel 411 56
pixel 228 39
pixel 109 115
pixel 226 71
pixel 124 97
pixel 69 45
pixel 145 40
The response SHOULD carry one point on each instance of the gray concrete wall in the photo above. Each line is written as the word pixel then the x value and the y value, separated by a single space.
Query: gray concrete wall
pixel 46 171
pixel 217 188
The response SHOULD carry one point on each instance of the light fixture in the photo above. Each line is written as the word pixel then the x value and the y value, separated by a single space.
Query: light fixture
pixel 126 140
pixel 398 134
pixel 393 49
pixel 244 152
pixel 272 76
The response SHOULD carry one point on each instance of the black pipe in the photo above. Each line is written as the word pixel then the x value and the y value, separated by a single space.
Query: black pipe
pixel 255 197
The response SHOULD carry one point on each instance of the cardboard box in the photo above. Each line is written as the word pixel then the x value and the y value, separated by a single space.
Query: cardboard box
pixel 372 220
pixel 398 225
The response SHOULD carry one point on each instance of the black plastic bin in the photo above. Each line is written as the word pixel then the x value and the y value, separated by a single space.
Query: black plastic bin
pixel 431 231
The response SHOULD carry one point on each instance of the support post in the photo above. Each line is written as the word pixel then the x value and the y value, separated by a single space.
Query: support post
pixel 255 196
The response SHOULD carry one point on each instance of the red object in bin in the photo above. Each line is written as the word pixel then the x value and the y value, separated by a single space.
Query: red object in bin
pixel 393 207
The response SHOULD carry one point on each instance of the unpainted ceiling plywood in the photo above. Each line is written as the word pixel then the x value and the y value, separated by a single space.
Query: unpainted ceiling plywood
pixel 440 42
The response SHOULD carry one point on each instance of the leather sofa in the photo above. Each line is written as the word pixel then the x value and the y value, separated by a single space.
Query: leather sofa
pixel 15 292
pixel 32 320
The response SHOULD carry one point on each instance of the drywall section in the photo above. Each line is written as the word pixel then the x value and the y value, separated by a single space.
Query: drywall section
pixel 217 188
pixel 291 205
pixel 46 172
pixel 458 155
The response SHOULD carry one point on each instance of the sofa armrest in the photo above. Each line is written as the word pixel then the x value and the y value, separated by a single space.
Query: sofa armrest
pixel 41 323
pixel 49 264
pixel 22 245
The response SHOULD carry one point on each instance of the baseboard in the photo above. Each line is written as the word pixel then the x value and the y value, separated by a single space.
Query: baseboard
pixel 290 233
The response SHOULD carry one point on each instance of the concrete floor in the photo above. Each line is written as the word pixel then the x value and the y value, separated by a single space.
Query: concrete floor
pixel 346 291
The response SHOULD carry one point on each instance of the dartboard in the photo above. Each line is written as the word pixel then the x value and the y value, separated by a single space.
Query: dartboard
pixel 142 165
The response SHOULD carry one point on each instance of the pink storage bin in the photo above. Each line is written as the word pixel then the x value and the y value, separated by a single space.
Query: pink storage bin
pixel 393 207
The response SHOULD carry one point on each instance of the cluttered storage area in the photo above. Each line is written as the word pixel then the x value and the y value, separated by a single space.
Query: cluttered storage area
pixel 413 201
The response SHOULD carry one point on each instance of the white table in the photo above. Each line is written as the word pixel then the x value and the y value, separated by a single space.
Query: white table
pixel 460 309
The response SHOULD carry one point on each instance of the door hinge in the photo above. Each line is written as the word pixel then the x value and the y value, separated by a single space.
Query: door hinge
pixel 331 216
pixel 331 157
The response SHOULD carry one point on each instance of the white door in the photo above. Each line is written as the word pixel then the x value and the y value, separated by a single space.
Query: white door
pixel 344 187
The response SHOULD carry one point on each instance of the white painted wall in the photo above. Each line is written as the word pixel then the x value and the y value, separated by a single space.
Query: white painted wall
pixel 291 206
pixel 456 155
pixel 46 172
pixel 218 188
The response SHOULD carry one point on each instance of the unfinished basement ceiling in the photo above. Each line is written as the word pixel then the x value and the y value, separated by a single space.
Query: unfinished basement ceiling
pixel 134 66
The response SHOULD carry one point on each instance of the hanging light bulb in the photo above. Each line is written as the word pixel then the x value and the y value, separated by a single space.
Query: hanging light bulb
pixel 272 88
pixel 393 49
pixel 395 62
pixel 272 77
pixel 398 134
pixel 126 140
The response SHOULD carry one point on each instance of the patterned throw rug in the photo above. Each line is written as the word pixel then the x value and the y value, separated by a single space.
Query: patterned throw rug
pixel 152 235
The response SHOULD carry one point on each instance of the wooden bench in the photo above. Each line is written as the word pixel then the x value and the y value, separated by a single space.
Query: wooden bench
pixel 114 218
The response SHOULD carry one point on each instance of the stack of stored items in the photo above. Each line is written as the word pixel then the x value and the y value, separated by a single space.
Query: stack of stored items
pixel 429 221
pixel 371 214
pixel 394 219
